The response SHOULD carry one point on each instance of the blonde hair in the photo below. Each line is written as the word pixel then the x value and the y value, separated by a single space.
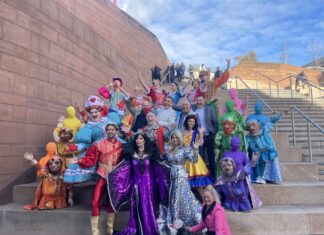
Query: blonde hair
pixel 178 134
pixel 213 192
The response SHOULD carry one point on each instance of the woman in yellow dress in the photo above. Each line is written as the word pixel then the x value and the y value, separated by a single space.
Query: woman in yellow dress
pixel 199 176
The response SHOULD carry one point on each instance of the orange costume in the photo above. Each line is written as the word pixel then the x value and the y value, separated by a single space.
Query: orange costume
pixel 50 192
pixel 51 188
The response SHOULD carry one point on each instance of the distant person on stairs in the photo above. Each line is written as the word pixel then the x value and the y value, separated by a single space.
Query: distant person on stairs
pixel 300 82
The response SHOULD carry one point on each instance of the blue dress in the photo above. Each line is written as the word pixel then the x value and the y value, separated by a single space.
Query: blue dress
pixel 87 135
pixel 267 166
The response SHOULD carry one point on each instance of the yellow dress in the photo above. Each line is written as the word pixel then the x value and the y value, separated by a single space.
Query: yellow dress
pixel 198 173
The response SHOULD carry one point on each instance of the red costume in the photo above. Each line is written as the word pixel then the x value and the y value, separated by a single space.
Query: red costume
pixel 156 133
pixel 108 154
pixel 157 96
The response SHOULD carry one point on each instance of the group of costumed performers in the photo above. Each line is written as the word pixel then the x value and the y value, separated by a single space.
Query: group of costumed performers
pixel 143 149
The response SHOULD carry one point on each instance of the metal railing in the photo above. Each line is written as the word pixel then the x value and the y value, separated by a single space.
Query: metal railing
pixel 165 76
pixel 277 83
pixel 293 110
pixel 309 122
pixel 290 77
pixel 237 77
pixel 258 96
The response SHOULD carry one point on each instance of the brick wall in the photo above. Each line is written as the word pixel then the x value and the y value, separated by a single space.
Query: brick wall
pixel 54 53
pixel 248 71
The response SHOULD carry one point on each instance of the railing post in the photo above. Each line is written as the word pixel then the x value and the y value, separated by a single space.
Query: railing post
pixel 309 143
pixel 291 89
pixel 236 83
pixel 270 87
pixel 277 90
pixel 293 125
pixel 312 97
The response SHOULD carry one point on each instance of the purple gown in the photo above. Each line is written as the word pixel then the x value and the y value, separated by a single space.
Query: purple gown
pixel 145 183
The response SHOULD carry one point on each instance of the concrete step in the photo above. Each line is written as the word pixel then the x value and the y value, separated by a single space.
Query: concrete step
pixel 316 159
pixel 280 138
pixel 302 171
pixel 291 172
pixel 278 220
pixel 289 154
pixel 24 193
pixel 68 221
pixel 291 193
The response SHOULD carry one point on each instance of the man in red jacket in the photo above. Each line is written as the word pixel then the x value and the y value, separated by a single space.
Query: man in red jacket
pixel 105 153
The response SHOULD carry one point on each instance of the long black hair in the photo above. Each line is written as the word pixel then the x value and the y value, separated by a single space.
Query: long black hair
pixel 150 148
pixel 191 116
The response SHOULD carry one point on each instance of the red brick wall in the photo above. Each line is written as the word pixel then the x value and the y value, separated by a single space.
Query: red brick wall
pixel 57 52
pixel 247 70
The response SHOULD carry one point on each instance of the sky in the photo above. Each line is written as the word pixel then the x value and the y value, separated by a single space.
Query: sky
pixel 209 31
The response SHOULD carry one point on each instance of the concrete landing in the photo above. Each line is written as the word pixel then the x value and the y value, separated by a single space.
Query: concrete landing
pixel 291 193
pixel 280 220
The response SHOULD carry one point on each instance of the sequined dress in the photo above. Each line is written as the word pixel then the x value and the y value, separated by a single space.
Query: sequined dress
pixel 182 202
pixel 198 173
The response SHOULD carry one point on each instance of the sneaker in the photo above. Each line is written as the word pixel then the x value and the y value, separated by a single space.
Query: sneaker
pixel 260 181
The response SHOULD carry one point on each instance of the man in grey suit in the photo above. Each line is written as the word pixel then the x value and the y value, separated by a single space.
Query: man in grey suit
pixel 208 120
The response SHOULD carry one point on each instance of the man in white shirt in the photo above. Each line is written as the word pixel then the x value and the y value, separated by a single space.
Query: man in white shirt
pixel 166 115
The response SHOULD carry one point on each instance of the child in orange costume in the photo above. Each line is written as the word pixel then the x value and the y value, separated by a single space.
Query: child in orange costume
pixel 42 171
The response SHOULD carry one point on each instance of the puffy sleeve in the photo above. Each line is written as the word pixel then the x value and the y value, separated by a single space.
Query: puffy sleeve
pixel 90 158
pixel 190 155
pixel 162 182
pixel 119 184
pixel 104 92
pixel 222 80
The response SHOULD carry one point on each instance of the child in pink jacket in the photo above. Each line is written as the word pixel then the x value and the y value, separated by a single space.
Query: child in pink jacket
pixel 213 215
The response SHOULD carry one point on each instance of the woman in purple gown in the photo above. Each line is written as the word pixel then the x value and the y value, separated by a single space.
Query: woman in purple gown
pixel 143 180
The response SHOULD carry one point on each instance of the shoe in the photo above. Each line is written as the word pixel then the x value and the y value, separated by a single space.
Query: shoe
pixel 260 181
pixel 29 207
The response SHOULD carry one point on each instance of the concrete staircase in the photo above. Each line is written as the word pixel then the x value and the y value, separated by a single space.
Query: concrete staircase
pixel 282 104
pixel 294 207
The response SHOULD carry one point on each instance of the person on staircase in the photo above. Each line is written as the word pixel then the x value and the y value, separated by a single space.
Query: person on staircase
pixel 237 193
pixel 258 114
pixel 208 121
pixel 155 92
pixel 142 180
pixel 213 215
pixel 116 96
pixel 260 141
pixel 105 153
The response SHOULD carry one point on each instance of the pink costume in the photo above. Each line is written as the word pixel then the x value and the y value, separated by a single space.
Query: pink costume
pixel 214 221
pixel 239 105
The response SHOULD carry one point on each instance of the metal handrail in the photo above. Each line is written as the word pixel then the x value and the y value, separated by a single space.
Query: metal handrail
pixel 310 86
pixel 254 93
pixel 309 121
pixel 277 83
pixel 165 76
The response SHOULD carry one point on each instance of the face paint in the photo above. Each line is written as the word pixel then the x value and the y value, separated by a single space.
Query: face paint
pixel 228 127
pixel 253 127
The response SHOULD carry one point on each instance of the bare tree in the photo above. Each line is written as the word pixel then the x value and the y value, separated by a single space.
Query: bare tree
pixel 285 53
pixel 316 50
